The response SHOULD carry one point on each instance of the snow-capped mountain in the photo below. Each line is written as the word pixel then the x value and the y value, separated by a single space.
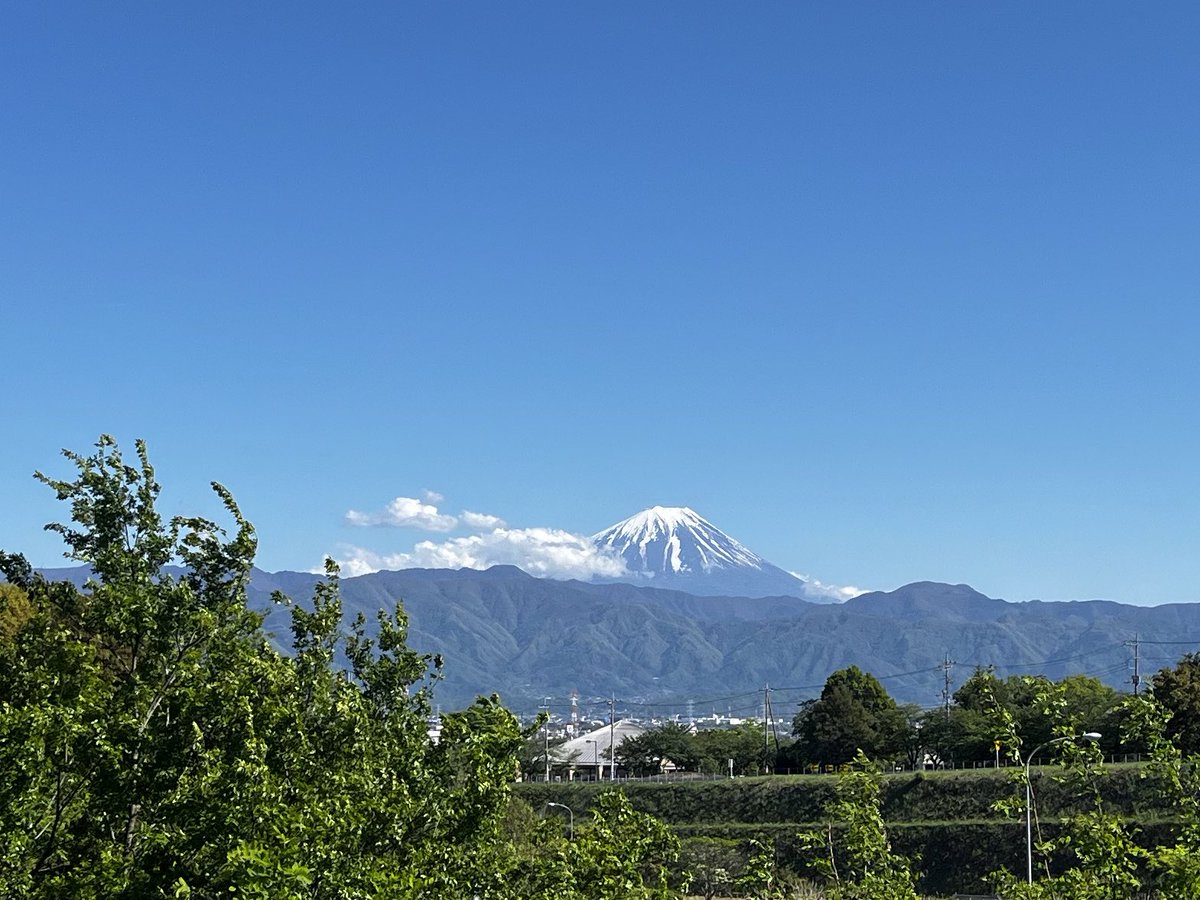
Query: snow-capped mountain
pixel 675 547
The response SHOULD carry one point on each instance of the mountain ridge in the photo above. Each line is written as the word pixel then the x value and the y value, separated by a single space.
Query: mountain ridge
pixel 528 638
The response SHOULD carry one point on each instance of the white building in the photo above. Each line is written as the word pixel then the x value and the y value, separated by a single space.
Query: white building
pixel 590 755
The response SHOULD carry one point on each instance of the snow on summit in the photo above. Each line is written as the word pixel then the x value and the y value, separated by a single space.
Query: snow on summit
pixel 675 547
pixel 674 539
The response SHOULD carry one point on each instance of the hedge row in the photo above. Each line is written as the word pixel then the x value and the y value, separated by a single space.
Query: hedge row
pixel 907 797
pixel 943 821
pixel 950 858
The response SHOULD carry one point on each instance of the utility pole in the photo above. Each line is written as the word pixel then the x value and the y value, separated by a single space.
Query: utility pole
pixel 766 739
pixel 612 731
pixel 1137 674
pixel 768 726
pixel 947 665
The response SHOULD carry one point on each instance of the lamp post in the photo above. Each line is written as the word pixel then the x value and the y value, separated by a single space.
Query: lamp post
pixel 1087 736
pixel 546 734
pixel 571 821
pixel 595 755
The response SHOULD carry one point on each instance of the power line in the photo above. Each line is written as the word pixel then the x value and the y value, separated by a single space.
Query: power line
pixel 684 703
pixel 1111 670
pixel 1050 662
pixel 809 687
pixel 944 667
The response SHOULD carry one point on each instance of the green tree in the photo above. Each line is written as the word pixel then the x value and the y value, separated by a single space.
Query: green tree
pixel 1176 777
pixel 760 874
pixel 617 853
pixel 1104 856
pixel 1177 689
pixel 743 744
pixel 647 753
pixel 154 743
pixel 969 732
pixel 854 712
pixel 15 611
pixel 110 691
pixel 715 864
pixel 854 853
pixel 623 853
pixel 532 761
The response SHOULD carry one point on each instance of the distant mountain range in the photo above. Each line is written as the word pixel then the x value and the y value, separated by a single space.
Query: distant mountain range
pixel 700 615
pixel 528 638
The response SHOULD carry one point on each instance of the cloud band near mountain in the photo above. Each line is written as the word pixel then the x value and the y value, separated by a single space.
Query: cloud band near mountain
pixel 544 552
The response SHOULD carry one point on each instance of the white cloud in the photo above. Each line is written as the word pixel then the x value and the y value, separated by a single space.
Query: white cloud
pixel 544 552
pixel 432 496
pixel 482 521
pixel 831 591
pixel 405 512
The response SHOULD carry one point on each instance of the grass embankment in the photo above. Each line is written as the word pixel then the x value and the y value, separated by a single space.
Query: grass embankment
pixel 943 820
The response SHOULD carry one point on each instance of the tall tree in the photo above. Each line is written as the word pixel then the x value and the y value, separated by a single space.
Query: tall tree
pixel 861 866
pixel 970 731
pixel 853 713
pixel 744 744
pixel 1178 690
pixel 649 752
pixel 154 743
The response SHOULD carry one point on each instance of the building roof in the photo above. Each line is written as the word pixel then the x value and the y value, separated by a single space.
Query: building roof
pixel 593 748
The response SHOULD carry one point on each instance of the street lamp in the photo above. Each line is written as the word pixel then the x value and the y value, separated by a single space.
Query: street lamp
pixel 546 734
pixel 1087 736
pixel 595 755
pixel 571 821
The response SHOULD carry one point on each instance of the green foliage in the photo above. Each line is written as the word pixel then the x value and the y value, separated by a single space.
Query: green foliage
pixel 15 611
pixel 154 743
pixel 648 753
pixel 617 852
pixel 623 853
pixel 111 724
pixel 532 759
pixel 1175 776
pixel 987 708
pixel 708 751
pixel 1104 863
pixel 860 864
pixel 744 744
pixel 760 877
pixel 1178 690
pixel 853 713
pixel 715 865
pixel 1099 849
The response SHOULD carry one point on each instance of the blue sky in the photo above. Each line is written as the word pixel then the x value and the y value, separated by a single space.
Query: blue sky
pixel 888 292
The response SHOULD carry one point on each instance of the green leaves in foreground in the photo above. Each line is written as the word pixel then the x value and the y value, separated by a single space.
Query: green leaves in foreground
pixel 153 743
pixel 855 855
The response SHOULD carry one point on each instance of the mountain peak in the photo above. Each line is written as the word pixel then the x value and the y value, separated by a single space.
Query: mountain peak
pixel 674 540
pixel 667 514
pixel 677 548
